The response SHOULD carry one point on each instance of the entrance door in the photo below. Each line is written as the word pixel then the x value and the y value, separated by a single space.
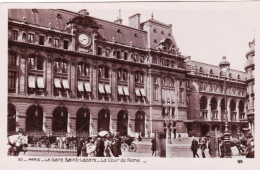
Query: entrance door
pixel 139 122
pixel 60 119
pixel 82 122
pixel 122 122
pixel 103 120
pixel 34 118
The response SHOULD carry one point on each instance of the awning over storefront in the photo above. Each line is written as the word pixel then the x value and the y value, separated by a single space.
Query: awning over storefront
pixel 142 92
pixel 126 91
pixel 31 81
pixel 101 88
pixel 107 87
pixel 120 90
pixel 87 87
pixel 80 86
pixel 57 83
pixel 65 84
pixel 137 92
pixel 40 82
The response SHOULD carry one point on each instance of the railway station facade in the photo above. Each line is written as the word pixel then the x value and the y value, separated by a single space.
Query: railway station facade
pixel 71 72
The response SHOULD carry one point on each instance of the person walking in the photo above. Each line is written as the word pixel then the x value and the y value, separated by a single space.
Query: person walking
pixel 100 147
pixel 153 146
pixel 203 146
pixel 194 147
pixel 79 146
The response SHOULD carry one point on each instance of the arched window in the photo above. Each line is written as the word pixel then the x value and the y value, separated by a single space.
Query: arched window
pixel 103 72
pixel 83 69
pixel 139 77
pixel 34 118
pixel 122 74
pixel 35 62
pixel 60 66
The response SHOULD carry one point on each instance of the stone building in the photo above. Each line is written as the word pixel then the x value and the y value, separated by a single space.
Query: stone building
pixel 206 98
pixel 250 85
pixel 73 73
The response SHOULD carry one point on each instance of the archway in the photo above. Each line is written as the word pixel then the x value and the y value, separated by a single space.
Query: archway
pixel 34 118
pixel 139 122
pixel 122 122
pixel 204 129
pixel 241 110
pixel 233 110
pixel 11 122
pixel 83 119
pixel 60 119
pixel 213 104
pixel 203 107
pixel 103 120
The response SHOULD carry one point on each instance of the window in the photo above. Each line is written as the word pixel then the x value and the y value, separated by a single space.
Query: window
pixel 162 32
pixel 238 77
pixel 122 74
pixel 154 30
pixel 60 66
pixel 11 81
pixel 134 57
pixel 83 69
pixel 139 77
pixel 15 34
pixel 142 59
pixel 66 44
pixel 172 64
pixel 56 42
pixel 155 60
pixel 99 51
pixel 201 70
pixel 31 38
pixel 155 88
pixel 24 36
pixel 107 52
pixel 35 62
pixel 41 39
pixel 103 72
pixel 118 54
pixel 211 72
pixel 169 34
pixel 230 75
pixel 155 41
pixel 12 60
pixel 125 55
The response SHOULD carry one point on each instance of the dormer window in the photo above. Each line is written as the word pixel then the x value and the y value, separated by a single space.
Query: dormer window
pixel 169 34
pixel 211 72
pixel 238 77
pixel 41 40
pixel 31 38
pixel 155 41
pixel 154 30
pixel 135 35
pixel 201 70
pixel 230 75
pixel 119 31
pixel 162 32
pixel 59 16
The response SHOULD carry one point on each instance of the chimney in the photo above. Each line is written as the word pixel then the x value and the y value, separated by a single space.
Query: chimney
pixel 134 21
pixel 118 21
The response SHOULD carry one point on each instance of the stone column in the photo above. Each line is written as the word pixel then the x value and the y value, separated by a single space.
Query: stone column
pixel 94 81
pixel 131 84
pixel 237 109
pixel 23 74
pixel 228 110
pixel 209 114
pixel 49 75
pixel 73 78
pixel 219 108
pixel 113 82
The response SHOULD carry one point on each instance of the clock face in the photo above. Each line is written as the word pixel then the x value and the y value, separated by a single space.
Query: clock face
pixel 84 40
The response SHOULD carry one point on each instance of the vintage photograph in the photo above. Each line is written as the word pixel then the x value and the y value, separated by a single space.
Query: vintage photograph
pixel 119 82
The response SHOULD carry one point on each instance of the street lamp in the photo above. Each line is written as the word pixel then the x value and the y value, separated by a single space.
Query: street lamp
pixel 224 67
pixel 168 121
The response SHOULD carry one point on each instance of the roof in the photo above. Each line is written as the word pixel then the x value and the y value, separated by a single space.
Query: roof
pixel 157 22
pixel 59 18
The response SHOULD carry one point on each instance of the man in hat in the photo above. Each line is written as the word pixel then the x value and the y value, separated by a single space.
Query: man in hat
pixel 194 147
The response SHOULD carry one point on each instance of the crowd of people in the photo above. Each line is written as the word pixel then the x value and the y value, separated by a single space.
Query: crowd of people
pixel 108 145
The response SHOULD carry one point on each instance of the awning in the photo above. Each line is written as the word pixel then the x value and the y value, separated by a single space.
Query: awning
pixel 137 92
pixel 87 87
pixel 40 82
pixel 107 87
pixel 80 86
pixel 143 92
pixel 31 81
pixel 120 90
pixel 57 83
pixel 101 88
pixel 65 84
pixel 126 91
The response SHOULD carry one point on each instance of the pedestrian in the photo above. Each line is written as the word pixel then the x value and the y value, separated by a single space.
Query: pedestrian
pixel 115 144
pixel 203 146
pixel 179 136
pixel 84 149
pixel 222 149
pixel 153 146
pixel 79 146
pixel 194 147
pixel 100 147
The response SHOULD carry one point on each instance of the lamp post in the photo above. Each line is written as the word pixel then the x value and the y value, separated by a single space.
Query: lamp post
pixel 168 122
pixel 224 67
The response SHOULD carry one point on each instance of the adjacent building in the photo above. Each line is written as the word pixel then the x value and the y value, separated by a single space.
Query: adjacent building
pixel 70 72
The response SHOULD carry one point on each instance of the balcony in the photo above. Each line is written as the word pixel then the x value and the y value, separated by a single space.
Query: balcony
pixel 249 63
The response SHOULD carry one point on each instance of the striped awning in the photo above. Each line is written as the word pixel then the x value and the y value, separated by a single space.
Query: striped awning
pixel 40 82
pixel 31 81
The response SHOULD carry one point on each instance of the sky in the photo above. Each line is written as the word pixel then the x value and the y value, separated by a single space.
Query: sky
pixel 204 31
